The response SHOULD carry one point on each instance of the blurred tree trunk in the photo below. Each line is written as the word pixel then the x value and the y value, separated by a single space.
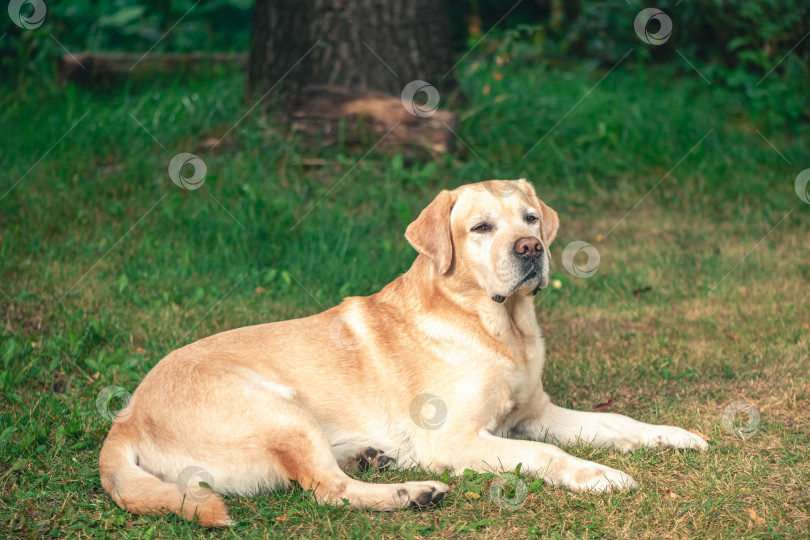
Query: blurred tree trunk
pixel 361 44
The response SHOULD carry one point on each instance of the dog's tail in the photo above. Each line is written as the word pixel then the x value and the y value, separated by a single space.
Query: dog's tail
pixel 137 491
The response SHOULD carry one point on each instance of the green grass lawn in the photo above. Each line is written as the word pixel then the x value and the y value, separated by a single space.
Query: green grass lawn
pixel 700 299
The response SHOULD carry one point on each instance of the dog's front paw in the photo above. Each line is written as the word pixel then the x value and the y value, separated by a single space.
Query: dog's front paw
pixel 675 437
pixel 596 478
pixel 421 494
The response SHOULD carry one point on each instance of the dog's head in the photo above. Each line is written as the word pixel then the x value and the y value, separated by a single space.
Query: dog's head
pixel 495 233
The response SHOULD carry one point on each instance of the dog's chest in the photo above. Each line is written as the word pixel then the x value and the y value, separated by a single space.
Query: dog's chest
pixel 501 376
pixel 520 382
pixel 523 372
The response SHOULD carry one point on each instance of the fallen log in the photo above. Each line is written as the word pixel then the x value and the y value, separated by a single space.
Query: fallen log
pixel 95 69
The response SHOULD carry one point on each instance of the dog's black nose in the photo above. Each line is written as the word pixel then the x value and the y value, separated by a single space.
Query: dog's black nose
pixel 528 247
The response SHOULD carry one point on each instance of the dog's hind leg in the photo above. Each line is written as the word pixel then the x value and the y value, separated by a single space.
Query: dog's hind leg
pixel 241 436
pixel 304 454
pixel 372 459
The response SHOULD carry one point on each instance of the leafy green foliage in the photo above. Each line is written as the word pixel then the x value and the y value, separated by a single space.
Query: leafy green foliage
pixel 753 35
pixel 737 45
pixel 123 25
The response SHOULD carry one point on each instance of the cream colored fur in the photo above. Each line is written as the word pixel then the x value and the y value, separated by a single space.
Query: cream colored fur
pixel 436 370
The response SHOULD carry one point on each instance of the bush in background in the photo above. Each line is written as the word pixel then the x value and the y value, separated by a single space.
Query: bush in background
pixel 758 49
pixel 123 26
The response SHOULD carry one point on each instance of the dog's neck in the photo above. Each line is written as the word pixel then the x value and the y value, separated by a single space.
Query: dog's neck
pixel 423 286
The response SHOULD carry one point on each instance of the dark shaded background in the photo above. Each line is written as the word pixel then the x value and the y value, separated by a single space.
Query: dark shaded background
pixel 733 43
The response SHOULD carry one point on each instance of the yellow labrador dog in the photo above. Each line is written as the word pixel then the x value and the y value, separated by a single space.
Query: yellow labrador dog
pixel 437 370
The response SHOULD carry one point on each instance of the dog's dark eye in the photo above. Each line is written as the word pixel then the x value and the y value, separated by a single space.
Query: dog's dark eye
pixel 482 227
pixel 531 219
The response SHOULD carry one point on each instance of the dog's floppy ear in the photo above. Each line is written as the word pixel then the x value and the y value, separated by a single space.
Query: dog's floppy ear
pixel 549 222
pixel 430 234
